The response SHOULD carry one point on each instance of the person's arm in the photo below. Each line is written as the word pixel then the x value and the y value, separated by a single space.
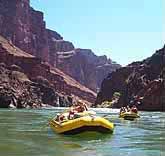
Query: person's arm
pixel 86 107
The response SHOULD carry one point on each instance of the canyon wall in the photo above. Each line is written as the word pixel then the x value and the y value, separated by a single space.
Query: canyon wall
pixel 25 28
pixel 142 82
pixel 34 68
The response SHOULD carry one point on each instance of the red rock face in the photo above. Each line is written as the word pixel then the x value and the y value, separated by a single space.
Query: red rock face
pixel 25 28
pixel 34 67
pixel 77 67
pixel 143 80
pixel 86 67
pixel 56 45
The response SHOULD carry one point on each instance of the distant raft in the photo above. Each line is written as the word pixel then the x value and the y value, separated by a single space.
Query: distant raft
pixel 129 115
pixel 82 124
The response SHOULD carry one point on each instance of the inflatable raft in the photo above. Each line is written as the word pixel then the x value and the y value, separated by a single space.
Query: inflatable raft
pixel 82 124
pixel 129 115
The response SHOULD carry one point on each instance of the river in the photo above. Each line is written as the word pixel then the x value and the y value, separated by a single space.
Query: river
pixel 26 132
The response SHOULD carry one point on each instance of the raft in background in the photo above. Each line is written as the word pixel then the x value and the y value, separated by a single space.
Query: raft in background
pixel 129 115
pixel 82 124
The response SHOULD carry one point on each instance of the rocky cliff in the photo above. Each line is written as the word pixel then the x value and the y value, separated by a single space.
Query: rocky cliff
pixel 27 81
pixel 86 67
pixel 141 82
pixel 25 28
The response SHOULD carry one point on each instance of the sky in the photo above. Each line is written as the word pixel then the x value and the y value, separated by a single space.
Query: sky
pixel 124 30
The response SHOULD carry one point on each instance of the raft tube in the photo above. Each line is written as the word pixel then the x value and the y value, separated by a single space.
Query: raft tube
pixel 82 124
pixel 129 115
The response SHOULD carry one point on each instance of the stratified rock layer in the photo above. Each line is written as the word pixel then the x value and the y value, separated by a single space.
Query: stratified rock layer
pixel 56 85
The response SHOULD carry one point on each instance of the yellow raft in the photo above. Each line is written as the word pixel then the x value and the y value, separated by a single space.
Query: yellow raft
pixel 129 115
pixel 82 124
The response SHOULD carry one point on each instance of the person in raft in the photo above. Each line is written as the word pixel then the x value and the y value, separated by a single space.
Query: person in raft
pixel 60 117
pixel 128 109
pixel 125 109
pixel 77 108
pixel 134 109
pixel 122 110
